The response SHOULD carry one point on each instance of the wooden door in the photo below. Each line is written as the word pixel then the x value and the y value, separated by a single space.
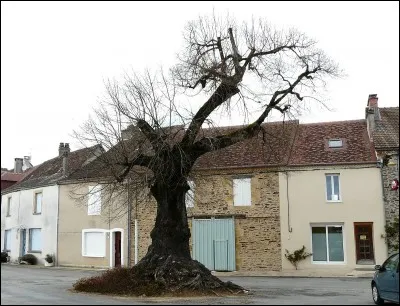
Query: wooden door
pixel 117 249
pixel 364 243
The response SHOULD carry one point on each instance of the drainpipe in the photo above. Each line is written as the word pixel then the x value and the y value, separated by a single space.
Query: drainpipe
pixel 288 203
pixel 58 224
pixel 136 231
pixel 129 225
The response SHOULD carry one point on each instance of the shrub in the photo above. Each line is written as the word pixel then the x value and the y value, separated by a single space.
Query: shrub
pixel 30 259
pixel 49 258
pixel 4 256
pixel 297 256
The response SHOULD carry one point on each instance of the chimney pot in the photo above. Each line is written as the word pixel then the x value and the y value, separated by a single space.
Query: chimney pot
pixel 63 149
pixel 373 100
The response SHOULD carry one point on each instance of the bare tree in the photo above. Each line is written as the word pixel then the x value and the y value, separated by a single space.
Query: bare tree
pixel 237 67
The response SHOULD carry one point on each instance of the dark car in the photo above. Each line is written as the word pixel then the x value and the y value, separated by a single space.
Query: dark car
pixel 385 284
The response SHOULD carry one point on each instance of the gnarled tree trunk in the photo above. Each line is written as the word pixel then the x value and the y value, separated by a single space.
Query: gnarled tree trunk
pixel 168 262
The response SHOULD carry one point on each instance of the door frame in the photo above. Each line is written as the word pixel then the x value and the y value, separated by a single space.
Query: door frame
pixel 112 242
pixel 355 224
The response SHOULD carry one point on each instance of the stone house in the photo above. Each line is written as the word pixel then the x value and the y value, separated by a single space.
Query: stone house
pixel 233 207
pixel 383 130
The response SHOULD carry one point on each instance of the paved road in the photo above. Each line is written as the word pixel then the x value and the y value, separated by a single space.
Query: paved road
pixel 28 285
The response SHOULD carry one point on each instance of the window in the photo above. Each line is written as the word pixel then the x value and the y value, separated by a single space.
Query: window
pixel 7 240
pixel 94 243
pixel 35 240
pixel 38 203
pixel 189 198
pixel 391 263
pixel 94 200
pixel 242 192
pixel 332 188
pixel 327 243
pixel 8 207
pixel 335 143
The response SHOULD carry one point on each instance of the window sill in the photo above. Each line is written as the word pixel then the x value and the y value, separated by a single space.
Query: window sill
pixel 95 256
pixel 37 213
pixel 339 201
pixel 30 251
pixel 8 216
pixel 328 263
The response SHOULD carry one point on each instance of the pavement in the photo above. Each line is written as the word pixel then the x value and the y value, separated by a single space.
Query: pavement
pixel 30 285
pixel 288 273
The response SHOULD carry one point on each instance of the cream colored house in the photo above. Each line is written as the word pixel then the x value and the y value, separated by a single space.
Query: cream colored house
pixel 90 234
pixel 331 199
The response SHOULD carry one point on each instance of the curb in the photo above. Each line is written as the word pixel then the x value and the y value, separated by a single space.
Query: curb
pixel 215 274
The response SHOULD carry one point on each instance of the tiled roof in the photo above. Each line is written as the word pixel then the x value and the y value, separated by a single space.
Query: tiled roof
pixel 311 145
pixel 11 176
pixel 51 171
pixel 280 144
pixel 270 147
pixel 386 133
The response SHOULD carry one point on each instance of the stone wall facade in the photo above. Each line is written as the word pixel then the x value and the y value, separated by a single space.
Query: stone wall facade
pixel 390 171
pixel 257 227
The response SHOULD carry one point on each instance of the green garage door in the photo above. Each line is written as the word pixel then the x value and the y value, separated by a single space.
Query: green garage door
pixel 214 243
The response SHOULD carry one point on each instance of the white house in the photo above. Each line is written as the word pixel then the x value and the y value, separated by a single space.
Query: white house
pixel 29 209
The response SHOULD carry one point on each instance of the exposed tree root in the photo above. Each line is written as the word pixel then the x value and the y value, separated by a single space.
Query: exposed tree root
pixel 158 275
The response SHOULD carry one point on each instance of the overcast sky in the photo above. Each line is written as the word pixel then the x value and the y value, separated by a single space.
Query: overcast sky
pixel 55 56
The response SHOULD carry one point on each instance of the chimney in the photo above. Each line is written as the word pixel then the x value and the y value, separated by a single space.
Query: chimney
pixel 18 162
pixel 27 163
pixel 63 149
pixel 131 131
pixel 372 113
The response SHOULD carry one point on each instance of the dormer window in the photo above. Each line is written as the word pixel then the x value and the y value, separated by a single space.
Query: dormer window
pixel 335 143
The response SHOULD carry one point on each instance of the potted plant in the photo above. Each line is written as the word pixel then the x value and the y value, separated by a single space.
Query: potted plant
pixel 49 260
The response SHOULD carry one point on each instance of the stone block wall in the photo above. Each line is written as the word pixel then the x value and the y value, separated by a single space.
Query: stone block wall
pixel 257 227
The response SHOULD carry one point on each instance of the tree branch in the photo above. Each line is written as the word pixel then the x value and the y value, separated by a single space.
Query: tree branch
pixel 221 94
pixel 150 133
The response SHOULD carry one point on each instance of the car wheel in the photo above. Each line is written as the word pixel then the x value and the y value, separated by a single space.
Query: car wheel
pixel 375 296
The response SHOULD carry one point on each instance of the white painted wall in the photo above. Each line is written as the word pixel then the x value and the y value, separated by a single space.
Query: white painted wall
pixel 361 194
pixel 22 217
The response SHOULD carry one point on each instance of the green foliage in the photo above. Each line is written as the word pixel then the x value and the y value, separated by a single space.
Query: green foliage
pixel 297 256
pixel 49 258
pixel 392 235
pixel 30 259
pixel 4 256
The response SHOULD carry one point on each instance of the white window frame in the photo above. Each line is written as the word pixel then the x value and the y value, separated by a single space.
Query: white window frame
pixel 7 240
pixel 189 197
pixel 238 200
pixel 35 207
pixel 94 200
pixel 339 200
pixel 30 241
pixel 9 199
pixel 326 225
pixel 94 230
pixel 335 143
